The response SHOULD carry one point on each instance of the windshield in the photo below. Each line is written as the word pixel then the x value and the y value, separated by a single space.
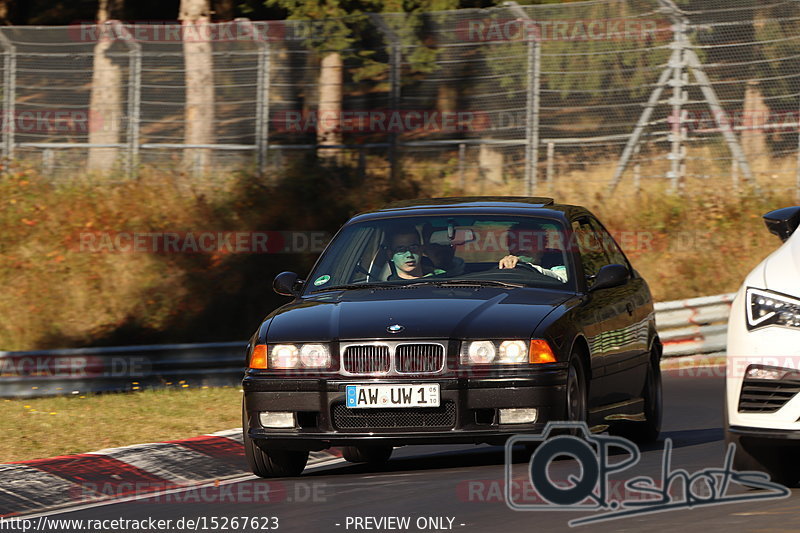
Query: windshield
pixel 510 251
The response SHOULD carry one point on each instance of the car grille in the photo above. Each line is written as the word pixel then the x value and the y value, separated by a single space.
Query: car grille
pixel 366 358
pixel 414 358
pixel 421 418
pixel 766 395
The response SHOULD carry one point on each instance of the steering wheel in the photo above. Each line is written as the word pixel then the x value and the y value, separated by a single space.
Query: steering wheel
pixel 522 264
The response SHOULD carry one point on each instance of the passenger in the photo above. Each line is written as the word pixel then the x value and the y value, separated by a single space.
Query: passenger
pixel 406 255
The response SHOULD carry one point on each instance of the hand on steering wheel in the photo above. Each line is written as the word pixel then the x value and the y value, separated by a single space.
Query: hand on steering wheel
pixel 512 261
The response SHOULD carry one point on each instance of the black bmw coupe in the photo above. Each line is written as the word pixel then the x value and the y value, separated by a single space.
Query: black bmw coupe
pixel 453 320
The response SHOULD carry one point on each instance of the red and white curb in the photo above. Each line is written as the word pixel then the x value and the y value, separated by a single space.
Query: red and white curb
pixel 124 473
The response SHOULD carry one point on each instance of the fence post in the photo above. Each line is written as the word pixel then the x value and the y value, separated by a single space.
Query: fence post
pixel 395 70
pixel 462 155
pixel 797 170
pixel 47 161
pixel 678 81
pixel 262 107
pixel 551 153
pixel 134 98
pixel 263 83
pixel 533 71
pixel 9 94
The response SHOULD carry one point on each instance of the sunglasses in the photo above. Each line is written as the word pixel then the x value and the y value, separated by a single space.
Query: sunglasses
pixel 413 248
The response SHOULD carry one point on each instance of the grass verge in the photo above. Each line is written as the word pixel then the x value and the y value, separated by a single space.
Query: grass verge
pixel 47 427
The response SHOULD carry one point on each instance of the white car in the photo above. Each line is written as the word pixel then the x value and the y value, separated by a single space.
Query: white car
pixel 762 404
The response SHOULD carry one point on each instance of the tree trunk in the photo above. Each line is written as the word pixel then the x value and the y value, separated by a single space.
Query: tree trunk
pixel 329 107
pixel 5 12
pixel 105 103
pixel 195 15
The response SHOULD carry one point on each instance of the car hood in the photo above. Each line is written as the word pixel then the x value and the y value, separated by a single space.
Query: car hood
pixel 782 267
pixel 423 312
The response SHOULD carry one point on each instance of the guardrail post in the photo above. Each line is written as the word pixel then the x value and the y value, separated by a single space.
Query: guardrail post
pixel 9 94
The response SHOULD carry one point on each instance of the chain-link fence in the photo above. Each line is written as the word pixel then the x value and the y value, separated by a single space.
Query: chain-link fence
pixel 515 99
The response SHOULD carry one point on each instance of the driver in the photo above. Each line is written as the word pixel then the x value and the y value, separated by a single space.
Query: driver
pixel 523 248
pixel 406 249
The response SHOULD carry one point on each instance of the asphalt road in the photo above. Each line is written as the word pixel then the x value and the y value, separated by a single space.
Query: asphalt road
pixel 460 488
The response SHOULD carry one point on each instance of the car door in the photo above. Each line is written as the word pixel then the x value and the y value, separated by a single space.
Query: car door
pixel 612 335
pixel 627 337
pixel 630 360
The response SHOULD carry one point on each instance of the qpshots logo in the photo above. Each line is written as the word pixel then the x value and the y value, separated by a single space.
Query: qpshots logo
pixel 600 457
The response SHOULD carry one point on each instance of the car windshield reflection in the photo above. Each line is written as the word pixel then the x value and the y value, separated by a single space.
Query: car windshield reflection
pixel 497 251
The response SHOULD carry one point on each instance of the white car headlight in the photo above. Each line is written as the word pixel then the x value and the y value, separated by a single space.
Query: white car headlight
pixel 315 356
pixel 513 352
pixel 479 353
pixel 299 356
pixel 508 352
pixel 766 308
pixel 283 356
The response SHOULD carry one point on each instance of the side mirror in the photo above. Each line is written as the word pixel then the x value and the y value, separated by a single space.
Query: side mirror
pixel 287 284
pixel 610 276
pixel 783 222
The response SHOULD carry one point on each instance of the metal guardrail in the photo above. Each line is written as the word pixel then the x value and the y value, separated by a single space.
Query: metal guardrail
pixel 694 326
pixel 686 327
pixel 120 368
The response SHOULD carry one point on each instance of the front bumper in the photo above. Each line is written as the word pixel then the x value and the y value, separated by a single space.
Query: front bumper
pixel 476 401
pixel 766 434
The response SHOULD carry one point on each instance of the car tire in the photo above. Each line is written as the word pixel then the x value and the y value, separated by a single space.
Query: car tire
pixel 779 461
pixel 576 408
pixel 367 454
pixel 274 462
pixel 647 431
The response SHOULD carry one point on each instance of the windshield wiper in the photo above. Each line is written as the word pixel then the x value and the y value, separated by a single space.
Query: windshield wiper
pixel 468 283
pixel 352 286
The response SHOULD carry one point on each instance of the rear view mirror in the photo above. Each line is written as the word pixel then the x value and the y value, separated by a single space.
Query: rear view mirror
pixel 610 276
pixel 461 237
pixel 286 284
pixel 783 222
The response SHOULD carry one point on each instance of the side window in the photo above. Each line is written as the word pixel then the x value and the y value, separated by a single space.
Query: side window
pixel 367 241
pixel 593 255
pixel 611 248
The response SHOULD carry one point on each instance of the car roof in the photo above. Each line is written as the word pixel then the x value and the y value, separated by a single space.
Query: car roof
pixel 497 205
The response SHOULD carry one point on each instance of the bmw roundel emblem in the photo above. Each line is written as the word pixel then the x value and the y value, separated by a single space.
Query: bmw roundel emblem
pixel 395 328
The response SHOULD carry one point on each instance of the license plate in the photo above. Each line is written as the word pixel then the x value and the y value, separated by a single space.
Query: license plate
pixel 386 395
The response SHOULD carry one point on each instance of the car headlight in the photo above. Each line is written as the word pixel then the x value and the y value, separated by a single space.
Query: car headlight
pixel 315 356
pixel 506 352
pixel 766 308
pixel 479 353
pixel 299 356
